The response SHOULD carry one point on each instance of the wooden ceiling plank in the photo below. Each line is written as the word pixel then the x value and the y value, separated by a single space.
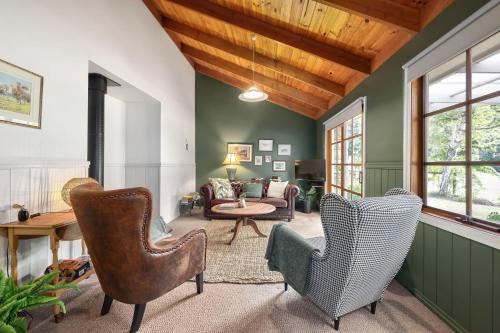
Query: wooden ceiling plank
pixel 270 83
pixel 279 34
pixel 260 59
pixel 383 11
pixel 273 97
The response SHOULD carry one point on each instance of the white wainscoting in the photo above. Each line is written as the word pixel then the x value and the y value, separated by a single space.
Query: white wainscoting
pixel 37 185
pixel 177 179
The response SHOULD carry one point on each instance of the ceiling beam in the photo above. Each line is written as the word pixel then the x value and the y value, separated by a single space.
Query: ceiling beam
pixel 239 71
pixel 260 59
pixel 275 98
pixel 279 34
pixel 387 12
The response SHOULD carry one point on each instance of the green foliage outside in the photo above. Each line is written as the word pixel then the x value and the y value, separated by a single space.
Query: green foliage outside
pixel 15 299
pixel 446 142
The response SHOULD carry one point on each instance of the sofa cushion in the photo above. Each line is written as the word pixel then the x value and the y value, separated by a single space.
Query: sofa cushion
pixel 276 202
pixel 276 189
pixel 222 188
pixel 252 190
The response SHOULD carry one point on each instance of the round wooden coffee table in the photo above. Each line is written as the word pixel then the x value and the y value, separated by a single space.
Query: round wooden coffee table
pixel 243 216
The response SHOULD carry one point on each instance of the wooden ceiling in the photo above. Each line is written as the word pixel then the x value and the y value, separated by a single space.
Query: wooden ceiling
pixel 308 54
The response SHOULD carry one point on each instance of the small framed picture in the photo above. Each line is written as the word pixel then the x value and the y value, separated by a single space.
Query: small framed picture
pixel 279 166
pixel 258 160
pixel 242 150
pixel 268 159
pixel 266 144
pixel 284 149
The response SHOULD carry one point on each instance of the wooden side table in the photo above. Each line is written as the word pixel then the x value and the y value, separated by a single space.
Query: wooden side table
pixel 58 227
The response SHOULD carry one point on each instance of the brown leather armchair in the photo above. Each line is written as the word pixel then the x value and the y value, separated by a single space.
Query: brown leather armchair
pixel 130 267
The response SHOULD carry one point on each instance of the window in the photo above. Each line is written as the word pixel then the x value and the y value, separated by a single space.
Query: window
pixel 455 158
pixel 345 157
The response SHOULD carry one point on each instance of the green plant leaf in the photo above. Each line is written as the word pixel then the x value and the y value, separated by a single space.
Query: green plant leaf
pixel 20 324
pixel 6 328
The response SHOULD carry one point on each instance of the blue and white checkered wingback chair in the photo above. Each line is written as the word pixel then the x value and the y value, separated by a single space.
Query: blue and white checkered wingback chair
pixel 365 244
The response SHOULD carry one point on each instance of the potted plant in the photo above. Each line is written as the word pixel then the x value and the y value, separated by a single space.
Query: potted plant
pixel 15 300
pixel 308 198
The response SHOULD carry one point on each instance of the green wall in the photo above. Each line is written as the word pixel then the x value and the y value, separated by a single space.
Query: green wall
pixel 457 278
pixel 221 118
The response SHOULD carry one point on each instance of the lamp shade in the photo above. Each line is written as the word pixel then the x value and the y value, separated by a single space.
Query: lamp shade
pixel 71 184
pixel 253 95
pixel 231 159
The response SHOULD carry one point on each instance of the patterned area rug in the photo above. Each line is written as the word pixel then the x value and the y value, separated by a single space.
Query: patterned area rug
pixel 241 262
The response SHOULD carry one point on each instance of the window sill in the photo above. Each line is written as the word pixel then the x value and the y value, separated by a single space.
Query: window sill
pixel 479 235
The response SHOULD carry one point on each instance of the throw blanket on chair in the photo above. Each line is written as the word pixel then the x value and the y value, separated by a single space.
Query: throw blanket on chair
pixel 287 252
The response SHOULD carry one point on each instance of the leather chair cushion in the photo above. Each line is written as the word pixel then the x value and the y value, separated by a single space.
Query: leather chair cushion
pixel 276 202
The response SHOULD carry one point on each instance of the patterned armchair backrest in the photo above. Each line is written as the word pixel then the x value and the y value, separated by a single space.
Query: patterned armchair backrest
pixel 367 241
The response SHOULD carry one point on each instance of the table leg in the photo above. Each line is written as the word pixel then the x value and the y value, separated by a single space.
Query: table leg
pixel 253 224
pixel 237 228
pixel 54 247
pixel 13 245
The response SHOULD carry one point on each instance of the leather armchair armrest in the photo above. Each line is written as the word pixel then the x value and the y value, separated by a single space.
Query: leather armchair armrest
pixel 207 192
pixel 291 192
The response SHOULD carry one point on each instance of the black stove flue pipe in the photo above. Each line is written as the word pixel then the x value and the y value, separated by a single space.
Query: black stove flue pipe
pixel 95 138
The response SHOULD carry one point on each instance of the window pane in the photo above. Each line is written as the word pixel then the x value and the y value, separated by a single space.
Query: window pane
pixel 446 84
pixel 336 150
pixel 347 195
pixel 347 177
pixel 348 128
pixel 332 135
pixel 486 193
pixel 356 127
pixel 357 151
pixel 348 152
pixel 485 67
pixel 355 197
pixel 446 188
pixel 338 133
pixel 356 179
pixel 486 131
pixel 445 136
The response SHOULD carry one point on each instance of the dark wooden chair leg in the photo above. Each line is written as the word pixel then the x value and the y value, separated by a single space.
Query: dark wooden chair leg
pixel 199 283
pixel 286 286
pixel 106 305
pixel 373 307
pixel 138 314
pixel 336 323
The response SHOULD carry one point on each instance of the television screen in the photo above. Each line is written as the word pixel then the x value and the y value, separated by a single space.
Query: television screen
pixel 310 169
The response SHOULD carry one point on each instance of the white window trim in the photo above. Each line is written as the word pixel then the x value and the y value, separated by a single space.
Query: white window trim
pixel 346 113
pixel 483 23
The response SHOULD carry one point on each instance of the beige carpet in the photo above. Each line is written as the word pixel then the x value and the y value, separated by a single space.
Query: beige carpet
pixel 234 308
pixel 242 261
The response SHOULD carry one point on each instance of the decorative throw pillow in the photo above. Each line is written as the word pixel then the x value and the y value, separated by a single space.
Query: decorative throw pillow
pixel 159 229
pixel 253 190
pixel 276 189
pixel 222 188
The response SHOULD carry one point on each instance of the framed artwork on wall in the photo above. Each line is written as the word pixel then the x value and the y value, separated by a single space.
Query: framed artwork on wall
pixel 242 150
pixel 266 144
pixel 268 159
pixel 258 160
pixel 20 96
pixel 279 166
pixel 284 149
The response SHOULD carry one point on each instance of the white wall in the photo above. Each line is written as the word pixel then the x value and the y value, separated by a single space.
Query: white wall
pixel 114 143
pixel 57 39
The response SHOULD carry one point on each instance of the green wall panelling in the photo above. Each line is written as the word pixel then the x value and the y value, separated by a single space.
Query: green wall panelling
pixel 444 270
pixel 496 291
pixel 461 281
pixel 418 258
pixel 481 288
pixel 430 262
pixel 379 179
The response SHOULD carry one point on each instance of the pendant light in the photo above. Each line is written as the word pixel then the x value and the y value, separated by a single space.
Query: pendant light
pixel 253 94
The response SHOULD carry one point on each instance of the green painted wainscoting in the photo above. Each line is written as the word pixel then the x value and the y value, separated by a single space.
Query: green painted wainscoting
pixel 381 177
pixel 459 279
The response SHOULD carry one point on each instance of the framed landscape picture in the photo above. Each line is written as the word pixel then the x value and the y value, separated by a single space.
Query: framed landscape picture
pixel 20 96
pixel 242 150
pixel 279 166
pixel 266 144
pixel 284 149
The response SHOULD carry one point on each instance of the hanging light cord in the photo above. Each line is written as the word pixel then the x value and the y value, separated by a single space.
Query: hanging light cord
pixel 253 60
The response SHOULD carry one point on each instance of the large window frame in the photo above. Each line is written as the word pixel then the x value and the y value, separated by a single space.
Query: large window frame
pixel 419 164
